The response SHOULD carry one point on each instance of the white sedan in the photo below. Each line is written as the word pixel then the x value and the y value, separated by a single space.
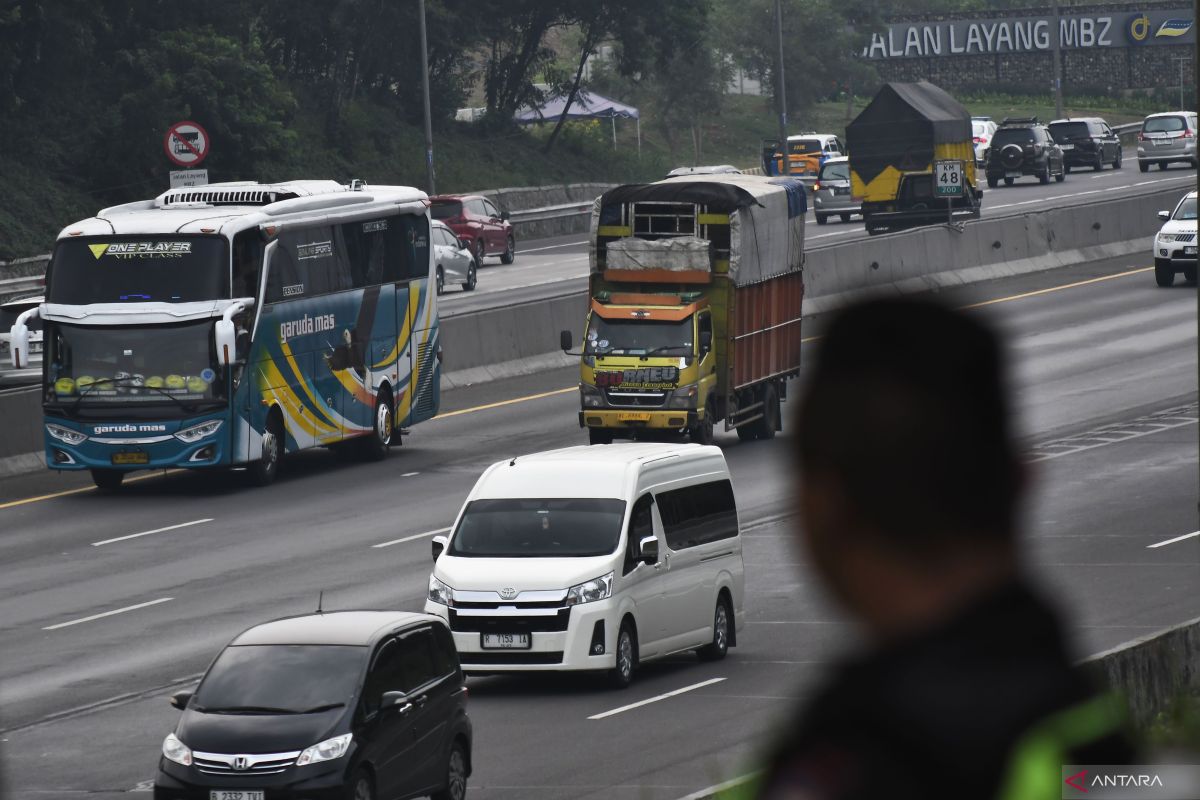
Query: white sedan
pixel 456 263
pixel 1175 243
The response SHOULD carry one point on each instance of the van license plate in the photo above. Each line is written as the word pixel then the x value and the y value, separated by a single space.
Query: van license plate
pixel 505 641
pixel 236 794
pixel 633 416
pixel 131 458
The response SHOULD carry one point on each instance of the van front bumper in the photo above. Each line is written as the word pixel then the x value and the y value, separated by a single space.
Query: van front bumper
pixel 586 642
pixel 676 419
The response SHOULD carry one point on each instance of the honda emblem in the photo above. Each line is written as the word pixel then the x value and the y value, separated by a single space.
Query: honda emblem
pixel 241 763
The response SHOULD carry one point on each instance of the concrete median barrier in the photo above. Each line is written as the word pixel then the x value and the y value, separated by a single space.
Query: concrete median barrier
pixel 20 435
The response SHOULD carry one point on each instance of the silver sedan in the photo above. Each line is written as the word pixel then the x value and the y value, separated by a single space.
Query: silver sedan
pixel 455 261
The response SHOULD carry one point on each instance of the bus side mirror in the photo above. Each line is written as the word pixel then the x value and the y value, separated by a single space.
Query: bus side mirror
pixel 565 341
pixel 19 344
pixel 225 335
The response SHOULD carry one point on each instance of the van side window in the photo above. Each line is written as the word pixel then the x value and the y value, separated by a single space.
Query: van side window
pixel 445 656
pixel 383 676
pixel 695 515
pixel 641 525
pixel 416 663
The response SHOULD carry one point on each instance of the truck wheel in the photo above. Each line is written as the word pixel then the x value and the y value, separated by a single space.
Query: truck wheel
pixel 599 436
pixel 770 419
pixel 702 431
pixel 1164 273
pixel 107 480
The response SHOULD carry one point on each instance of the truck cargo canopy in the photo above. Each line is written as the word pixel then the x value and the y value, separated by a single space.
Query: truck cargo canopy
pixel 900 127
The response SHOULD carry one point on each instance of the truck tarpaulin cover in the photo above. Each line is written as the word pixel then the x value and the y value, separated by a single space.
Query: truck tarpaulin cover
pixel 900 126
pixel 766 222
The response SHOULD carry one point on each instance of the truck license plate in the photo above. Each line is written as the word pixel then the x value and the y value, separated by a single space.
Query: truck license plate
pixel 131 458
pixel 505 641
pixel 633 416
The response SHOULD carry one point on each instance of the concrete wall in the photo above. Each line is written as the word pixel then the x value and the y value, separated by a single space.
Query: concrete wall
pixel 20 433
pixel 1152 672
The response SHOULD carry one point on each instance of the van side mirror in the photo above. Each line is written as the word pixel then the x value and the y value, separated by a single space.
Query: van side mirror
pixel 1163 215
pixel 565 340
pixel 438 546
pixel 648 550
pixel 180 700
pixel 394 700
pixel 225 336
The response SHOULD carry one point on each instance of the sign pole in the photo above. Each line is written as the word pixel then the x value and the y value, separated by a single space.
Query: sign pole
pixel 425 98
pixel 1058 99
pixel 781 87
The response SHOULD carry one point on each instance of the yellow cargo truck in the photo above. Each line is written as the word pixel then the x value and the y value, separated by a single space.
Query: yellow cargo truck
pixel 894 145
pixel 694 311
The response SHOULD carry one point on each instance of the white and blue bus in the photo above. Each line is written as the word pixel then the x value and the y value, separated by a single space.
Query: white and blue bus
pixel 226 325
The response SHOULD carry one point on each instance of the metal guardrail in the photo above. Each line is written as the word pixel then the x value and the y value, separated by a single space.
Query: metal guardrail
pixel 16 286
pixel 551 212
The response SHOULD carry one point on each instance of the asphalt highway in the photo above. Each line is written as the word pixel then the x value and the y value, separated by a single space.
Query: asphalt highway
pixel 108 604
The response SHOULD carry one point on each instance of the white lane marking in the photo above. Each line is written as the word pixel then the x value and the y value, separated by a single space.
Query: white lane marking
pixel 149 533
pixel 414 537
pixel 655 699
pixel 837 233
pixel 1173 541
pixel 108 613
pixel 549 247
pixel 1157 422
pixel 708 792
pixel 144 786
pixel 408 474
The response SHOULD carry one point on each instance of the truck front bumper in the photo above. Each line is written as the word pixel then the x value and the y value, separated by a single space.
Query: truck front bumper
pixel 674 419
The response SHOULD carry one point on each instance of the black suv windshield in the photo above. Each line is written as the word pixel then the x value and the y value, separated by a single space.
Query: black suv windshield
pixel 539 528
pixel 281 679
pixel 127 364
pixel 638 337
pixel 164 269
pixel 1065 131
pixel 1012 136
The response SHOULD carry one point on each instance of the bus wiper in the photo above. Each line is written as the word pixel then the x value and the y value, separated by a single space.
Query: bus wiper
pixel 188 407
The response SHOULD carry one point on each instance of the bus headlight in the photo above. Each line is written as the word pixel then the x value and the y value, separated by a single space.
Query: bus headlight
pixel 590 396
pixel 684 397
pixel 198 432
pixel 590 591
pixel 65 434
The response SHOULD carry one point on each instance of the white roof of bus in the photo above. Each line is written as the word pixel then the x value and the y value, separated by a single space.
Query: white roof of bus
pixel 190 210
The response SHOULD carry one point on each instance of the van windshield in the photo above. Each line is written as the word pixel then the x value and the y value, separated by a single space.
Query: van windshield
pixel 839 171
pixel 539 528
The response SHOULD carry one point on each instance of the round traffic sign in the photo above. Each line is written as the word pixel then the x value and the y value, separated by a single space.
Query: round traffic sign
pixel 186 143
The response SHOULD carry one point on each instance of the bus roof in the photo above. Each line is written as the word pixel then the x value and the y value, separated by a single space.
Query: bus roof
pixel 231 207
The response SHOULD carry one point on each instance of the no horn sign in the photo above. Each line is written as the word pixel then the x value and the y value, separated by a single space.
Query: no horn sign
pixel 186 143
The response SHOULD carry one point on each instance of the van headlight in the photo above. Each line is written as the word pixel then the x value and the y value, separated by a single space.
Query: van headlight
pixel 684 397
pixel 590 396
pixel 440 593
pixel 177 751
pixel 65 434
pixel 591 591
pixel 198 432
pixel 327 750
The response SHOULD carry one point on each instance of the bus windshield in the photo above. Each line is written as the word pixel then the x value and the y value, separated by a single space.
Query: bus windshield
pixel 151 268
pixel 133 364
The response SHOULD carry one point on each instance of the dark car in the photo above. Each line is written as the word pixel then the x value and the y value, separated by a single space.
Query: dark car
pixel 1087 142
pixel 478 222
pixel 351 704
pixel 1023 146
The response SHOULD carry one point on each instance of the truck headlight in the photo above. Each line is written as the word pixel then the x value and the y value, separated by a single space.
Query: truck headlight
pixel 65 434
pixel 198 432
pixel 590 591
pixel 327 750
pixel 440 593
pixel 177 751
pixel 684 397
pixel 590 396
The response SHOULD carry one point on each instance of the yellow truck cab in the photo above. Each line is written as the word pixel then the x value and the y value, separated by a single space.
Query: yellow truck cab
pixel 694 309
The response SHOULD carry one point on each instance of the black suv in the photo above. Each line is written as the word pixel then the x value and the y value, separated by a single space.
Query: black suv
pixel 1023 146
pixel 349 704
pixel 1087 142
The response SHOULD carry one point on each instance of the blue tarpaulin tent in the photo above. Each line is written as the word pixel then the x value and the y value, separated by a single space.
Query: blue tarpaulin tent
pixel 587 105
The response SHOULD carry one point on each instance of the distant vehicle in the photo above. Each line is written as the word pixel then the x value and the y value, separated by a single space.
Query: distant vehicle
pixel 982 130
pixel 8 316
pixel 895 143
pixel 478 222
pixel 1024 146
pixel 717 169
pixel 806 152
pixel 831 192
pixel 1175 243
pixel 593 558
pixel 1086 142
pixel 455 263
pixel 1166 138
pixel 347 704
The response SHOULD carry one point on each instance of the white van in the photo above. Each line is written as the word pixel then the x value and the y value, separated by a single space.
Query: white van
pixel 593 558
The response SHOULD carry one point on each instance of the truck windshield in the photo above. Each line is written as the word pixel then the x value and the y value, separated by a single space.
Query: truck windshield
pixel 128 364
pixel 538 528
pixel 164 269
pixel 639 337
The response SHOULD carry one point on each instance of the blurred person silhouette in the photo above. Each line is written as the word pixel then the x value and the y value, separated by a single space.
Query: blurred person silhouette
pixel 910 487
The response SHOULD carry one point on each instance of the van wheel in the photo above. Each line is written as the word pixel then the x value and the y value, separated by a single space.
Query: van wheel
pixel 716 650
pixel 360 787
pixel 456 775
pixel 1164 273
pixel 107 480
pixel 376 444
pixel 620 676
pixel 264 471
